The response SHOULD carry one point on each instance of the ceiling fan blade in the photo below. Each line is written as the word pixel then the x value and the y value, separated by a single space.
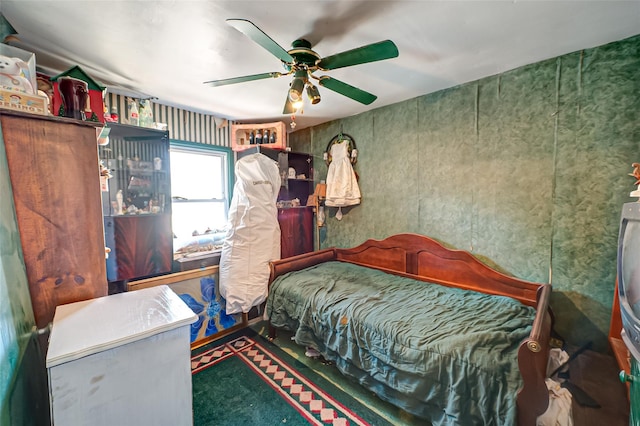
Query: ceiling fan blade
pixel 234 80
pixel 360 55
pixel 288 107
pixel 256 34
pixel 347 90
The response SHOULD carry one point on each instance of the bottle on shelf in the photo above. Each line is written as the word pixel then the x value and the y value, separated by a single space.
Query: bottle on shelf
pixel 145 114
pixel 134 116
pixel 262 133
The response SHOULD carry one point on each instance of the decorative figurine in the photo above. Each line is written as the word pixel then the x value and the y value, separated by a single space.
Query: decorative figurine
pixel 636 175
pixel 119 197
pixel 93 99
pixel 14 75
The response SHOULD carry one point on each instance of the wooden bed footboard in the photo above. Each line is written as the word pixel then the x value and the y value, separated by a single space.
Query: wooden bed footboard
pixel 422 258
pixel 533 356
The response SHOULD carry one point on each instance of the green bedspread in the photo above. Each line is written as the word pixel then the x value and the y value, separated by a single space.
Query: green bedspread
pixel 444 354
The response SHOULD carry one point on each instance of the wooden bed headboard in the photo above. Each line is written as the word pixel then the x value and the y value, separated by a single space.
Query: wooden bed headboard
pixel 421 256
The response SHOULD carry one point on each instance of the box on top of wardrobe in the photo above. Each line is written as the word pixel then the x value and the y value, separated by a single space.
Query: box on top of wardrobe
pixel 18 83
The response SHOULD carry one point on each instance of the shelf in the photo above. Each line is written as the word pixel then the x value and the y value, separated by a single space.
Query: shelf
pixel 240 135
pixel 127 131
pixel 296 222
pixel 140 241
pixel 136 214
pixel 621 354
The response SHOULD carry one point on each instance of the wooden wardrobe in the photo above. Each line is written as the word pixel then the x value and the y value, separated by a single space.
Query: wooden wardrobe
pixel 53 166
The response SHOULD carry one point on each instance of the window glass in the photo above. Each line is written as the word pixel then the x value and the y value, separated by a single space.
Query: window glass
pixel 197 175
pixel 199 182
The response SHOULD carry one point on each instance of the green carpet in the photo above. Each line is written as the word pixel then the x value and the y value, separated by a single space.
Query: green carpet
pixel 246 380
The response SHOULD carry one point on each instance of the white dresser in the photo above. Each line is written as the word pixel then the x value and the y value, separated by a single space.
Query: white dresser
pixel 122 360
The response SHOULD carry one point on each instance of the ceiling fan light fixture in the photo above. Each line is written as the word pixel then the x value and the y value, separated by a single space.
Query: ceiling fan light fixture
pixel 295 91
pixel 297 86
pixel 313 93
pixel 297 104
pixel 302 61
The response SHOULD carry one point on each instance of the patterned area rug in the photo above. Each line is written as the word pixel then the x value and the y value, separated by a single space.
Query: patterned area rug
pixel 248 381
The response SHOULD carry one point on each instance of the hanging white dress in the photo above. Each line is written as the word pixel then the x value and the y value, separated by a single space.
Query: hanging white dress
pixel 253 234
pixel 342 185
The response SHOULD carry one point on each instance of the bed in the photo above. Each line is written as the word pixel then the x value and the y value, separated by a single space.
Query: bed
pixel 429 329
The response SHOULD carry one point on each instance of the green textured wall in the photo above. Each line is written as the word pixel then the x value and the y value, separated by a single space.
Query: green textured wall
pixel 526 169
pixel 23 385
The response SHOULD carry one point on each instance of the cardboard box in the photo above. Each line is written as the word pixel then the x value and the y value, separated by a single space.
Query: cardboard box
pixel 24 102
pixel 28 57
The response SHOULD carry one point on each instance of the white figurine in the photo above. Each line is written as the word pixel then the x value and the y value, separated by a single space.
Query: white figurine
pixel 120 202
pixel 636 175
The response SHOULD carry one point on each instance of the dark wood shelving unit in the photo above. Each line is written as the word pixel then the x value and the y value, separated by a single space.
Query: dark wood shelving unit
pixel 296 223
pixel 140 236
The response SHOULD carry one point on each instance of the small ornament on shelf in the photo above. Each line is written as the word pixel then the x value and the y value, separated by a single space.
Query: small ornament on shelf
pixel 83 94
pixel 106 114
pixel 114 114
pixel 636 175
pixel 120 203
pixel 105 175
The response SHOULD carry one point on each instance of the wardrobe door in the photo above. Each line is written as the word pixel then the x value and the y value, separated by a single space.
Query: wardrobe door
pixel 296 231
pixel 53 166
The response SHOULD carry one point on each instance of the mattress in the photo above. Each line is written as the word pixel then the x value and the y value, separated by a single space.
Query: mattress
pixel 445 354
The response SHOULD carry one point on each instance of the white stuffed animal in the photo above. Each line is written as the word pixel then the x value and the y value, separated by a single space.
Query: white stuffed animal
pixel 13 75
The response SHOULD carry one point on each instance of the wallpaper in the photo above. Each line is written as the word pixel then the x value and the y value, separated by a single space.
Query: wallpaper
pixel 527 169
pixel 182 124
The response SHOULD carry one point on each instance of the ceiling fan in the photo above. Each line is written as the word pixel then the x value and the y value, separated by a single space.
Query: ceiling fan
pixel 302 62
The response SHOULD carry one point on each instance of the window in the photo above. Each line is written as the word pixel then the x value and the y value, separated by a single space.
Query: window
pixel 199 190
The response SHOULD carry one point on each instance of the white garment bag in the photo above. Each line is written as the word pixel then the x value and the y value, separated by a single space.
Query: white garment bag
pixel 253 234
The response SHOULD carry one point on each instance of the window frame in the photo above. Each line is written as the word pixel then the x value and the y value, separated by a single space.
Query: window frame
pixel 194 147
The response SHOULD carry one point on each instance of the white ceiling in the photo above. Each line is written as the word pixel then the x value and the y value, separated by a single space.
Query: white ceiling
pixel 167 49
